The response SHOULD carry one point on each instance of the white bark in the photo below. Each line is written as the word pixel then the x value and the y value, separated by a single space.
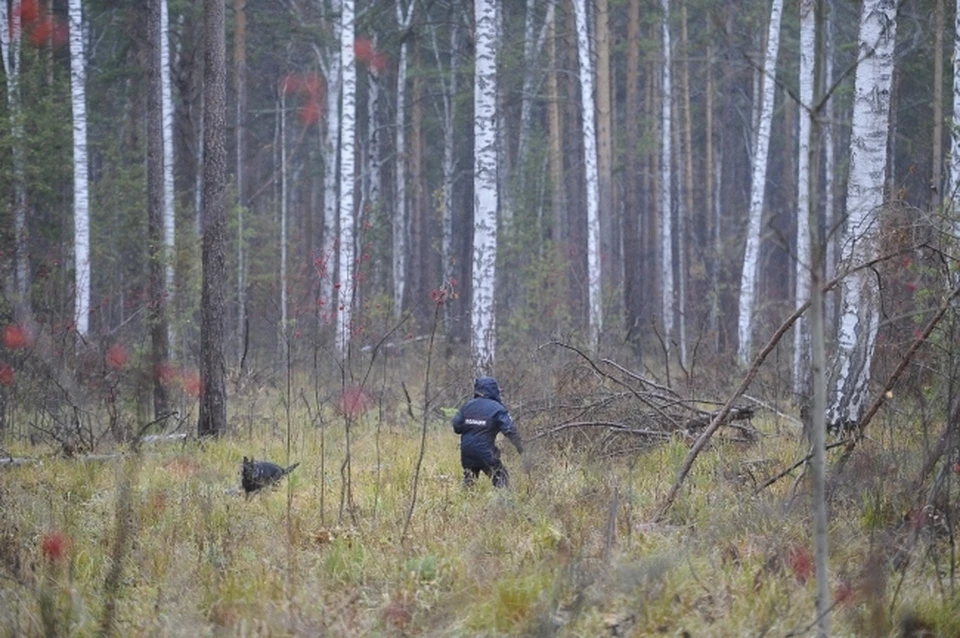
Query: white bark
pixel 666 179
pixel 166 107
pixel 10 42
pixel 348 121
pixel 400 222
pixel 81 188
pixel 829 197
pixel 483 315
pixel 331 143
pixel 801 331
pixel 751 257
pixel 283 221
pixel 591 171
pixel 859 312
pixel 953 193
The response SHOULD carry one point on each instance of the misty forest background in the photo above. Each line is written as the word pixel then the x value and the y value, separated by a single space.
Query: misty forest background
pixel 542 282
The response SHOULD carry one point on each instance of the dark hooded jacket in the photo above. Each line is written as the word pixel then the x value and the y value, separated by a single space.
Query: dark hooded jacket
pixel 479 421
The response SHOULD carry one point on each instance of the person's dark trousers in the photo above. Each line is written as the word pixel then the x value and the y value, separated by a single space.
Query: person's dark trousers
pixel 497 473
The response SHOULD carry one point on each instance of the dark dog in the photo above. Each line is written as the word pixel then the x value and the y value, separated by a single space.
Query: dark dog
pixel 256 475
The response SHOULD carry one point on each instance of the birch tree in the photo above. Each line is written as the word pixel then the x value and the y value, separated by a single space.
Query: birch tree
pixel 282 145
pixel 859 302
pixel 330 65
pixel 591 171
pixel 166 107
pixel 954 168
pixel 11 40
pixel 666 179
pixel 348 121
pixel 400 221
pixel 801 331
pixel 483 316
pixel 81 186
pixel 157 308
pixel 758 183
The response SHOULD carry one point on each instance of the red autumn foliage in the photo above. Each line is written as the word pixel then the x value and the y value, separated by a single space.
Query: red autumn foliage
pixel 800 563
pixel 55 546
pixel 192 384
pixel 29 11
pixel 116 356
pixel 15 337
pixel 366 53
pixel 354 401
pixel 6 374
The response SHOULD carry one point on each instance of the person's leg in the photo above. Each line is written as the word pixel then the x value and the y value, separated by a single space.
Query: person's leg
pixel 470 475
pixel 500 476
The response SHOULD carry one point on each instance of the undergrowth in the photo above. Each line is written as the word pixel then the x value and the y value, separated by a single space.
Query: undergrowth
pixel 567 550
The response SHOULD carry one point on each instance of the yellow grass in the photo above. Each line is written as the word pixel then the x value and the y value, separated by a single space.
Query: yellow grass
pixel 568 550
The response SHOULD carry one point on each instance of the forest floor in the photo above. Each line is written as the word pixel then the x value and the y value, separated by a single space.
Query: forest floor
pixel 164 543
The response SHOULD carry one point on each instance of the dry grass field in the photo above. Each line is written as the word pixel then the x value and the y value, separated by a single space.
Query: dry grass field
pixel 163 543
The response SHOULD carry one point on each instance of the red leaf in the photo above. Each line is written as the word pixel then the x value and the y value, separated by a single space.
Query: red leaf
pixel 15 337
pixel 116 356
pixel 55 546
pixel 6 374
pixel 800 563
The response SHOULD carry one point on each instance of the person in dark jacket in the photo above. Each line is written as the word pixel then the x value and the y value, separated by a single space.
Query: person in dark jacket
pixel 478 422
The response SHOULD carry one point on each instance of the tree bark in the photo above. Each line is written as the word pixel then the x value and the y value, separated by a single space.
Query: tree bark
pixel 483 316
pixel 157 309
pixel 213 396
pixel 240 82
pixel 632 272
pixel 665 208
pixel 81 185
pixel 758 184
pixel 348 123
pixel 859 306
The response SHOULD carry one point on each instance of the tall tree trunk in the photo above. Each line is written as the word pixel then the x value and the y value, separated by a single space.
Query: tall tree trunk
pixel 10 42
pixel 422 278
pixel 801 332
pixel 632 272
pixel 166 109
pixel 483 315
pixel 859 306
pixel 157 309
pixel 213 399
pixel 813 19
pixel 829 170
pixel 240 80
pixel 449 83
pixel 348 124
pixel 81 185
pixel 665 208
pixel 331 143
pixel 558 199
pixel 284 213
pixel 591 170
pixel 610 237
pixel 953 190
pixel 712 210
pixel 758 185
pixel 400 222
pixel 937 154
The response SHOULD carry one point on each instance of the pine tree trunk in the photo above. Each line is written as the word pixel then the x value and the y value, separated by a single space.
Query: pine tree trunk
pixel 213 399
pixel 610 237
pixel 632 272
pixel 240 79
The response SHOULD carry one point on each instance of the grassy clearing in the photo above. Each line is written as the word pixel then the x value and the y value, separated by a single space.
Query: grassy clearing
pixel 566 551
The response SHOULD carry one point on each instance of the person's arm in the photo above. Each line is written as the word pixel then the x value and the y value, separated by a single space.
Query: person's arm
pixel 509 430
pixel 459 422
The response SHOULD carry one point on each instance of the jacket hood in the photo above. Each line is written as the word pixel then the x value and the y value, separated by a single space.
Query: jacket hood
pixel 486 387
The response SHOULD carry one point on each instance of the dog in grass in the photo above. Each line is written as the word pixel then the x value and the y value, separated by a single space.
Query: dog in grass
pixel 256 475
